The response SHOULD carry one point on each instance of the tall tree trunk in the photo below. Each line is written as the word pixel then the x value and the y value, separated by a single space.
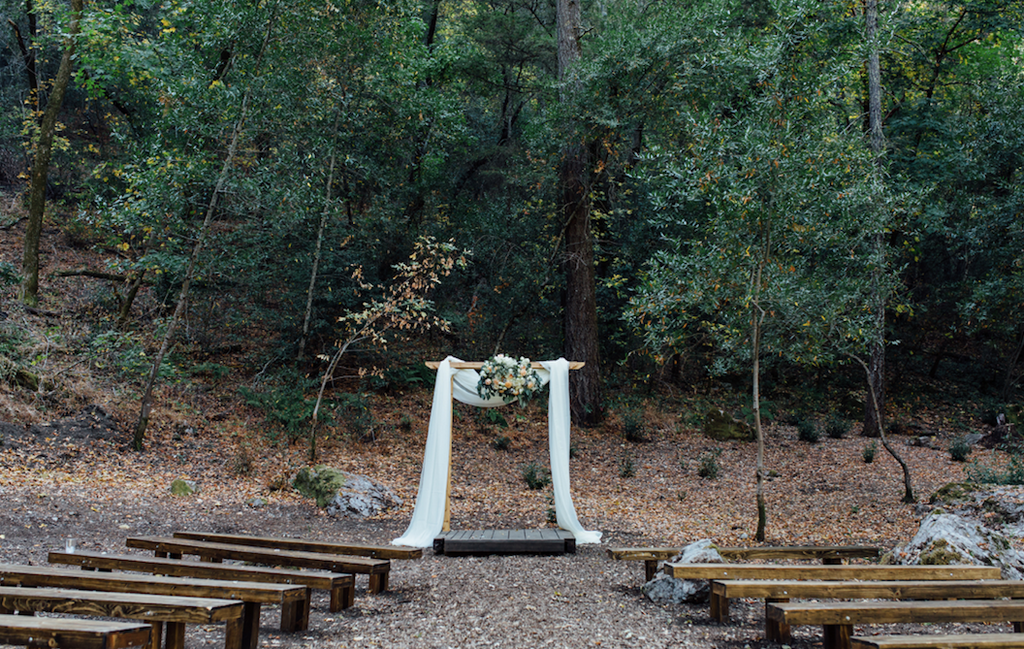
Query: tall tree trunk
pixel 28 292
pixel 146 404
pixel 581 343
pixel 874 407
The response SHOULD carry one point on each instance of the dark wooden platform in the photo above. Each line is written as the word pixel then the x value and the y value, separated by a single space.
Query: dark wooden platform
pixel 482 542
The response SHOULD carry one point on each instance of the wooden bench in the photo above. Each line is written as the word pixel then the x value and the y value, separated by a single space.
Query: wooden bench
pixel 964 641
pixel 340 586
pixel 23 630
pixel 377 569
pixel 291 597
pixel 721 571
pixel 159 610
pixel 399 552
pixel 837 618
pixel 783 591
pixel 830 555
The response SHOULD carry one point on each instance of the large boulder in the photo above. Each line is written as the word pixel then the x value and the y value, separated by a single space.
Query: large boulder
pixel 945 539
pixel 344 494
pixel 669 590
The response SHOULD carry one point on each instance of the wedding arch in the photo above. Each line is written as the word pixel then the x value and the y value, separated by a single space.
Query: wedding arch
pixel 457 379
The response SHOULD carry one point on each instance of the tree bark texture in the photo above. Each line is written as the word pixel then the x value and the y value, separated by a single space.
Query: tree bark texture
pixel 874 407
pixel 581 342
pixel 28 292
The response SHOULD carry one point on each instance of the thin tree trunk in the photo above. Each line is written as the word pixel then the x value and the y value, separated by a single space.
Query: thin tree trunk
pixel 146 405
pixel 28 291
pixel 908 489
pixel 874 407
pixel 581 341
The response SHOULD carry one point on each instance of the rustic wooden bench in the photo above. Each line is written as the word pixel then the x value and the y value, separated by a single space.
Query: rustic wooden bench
pixel 936 641
pixel 340 586
pixel 399 552
pixel 158 610
pixel 377 569
pixel 291 597
pixel 837 618
pixel 873 572
pixel 964 641
pixel 829 555
pixel 783 591
pixel 23 630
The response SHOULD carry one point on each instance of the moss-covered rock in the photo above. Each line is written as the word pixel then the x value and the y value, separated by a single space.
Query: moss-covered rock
pixel 320 483
pixel 720 425
pixel 939 553
pixel 952 493
pixel 182 487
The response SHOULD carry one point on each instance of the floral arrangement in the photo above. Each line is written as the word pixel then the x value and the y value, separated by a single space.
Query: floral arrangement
pixel 508 378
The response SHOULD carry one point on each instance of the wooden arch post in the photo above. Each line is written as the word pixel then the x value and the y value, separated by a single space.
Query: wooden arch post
pixel 473 365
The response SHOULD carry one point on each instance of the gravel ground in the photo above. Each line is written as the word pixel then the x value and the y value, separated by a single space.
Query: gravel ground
pixel 53 487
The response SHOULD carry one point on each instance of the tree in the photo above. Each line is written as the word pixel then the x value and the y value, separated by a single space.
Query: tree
pixel 28 291
pixel 581 335
pixel 764 205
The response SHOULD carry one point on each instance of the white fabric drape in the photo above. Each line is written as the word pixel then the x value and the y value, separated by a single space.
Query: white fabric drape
pixel 428 514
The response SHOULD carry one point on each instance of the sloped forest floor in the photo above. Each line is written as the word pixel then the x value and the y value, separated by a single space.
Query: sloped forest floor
pixel 67 471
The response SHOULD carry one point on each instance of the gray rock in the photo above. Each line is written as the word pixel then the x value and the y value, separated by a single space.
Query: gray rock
pixel 669 590
pixel 344 494
pixel 945 539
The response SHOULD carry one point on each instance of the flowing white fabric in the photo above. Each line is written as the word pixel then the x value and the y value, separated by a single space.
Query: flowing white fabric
pixel 428 514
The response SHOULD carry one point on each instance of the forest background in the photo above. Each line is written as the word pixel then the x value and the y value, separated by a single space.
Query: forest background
pixel 780 208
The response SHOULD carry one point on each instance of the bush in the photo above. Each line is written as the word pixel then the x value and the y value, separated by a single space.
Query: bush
pixel 536 476
pixel 869 453
pixel 707 465
pixel 633 427
pixel 626 468
pixel 1012 474
pixel 959 449
pixel 836 427
pixel 501 443
pixel 807 431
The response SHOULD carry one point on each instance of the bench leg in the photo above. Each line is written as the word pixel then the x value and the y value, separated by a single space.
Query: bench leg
pixel 250 625
pixel 378 583
pixel 836 636
pixel 342 597
pixel 719 607
pixel 295 615
pixel 1018 627
pixel 175 636
pixel 156 635
pixel 233 633
pixel 650 569
pixel 832 561
pixel 776 630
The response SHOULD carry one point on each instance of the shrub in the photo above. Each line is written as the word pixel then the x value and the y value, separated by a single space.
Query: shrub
pixel 836 427
pixel 1012 474
pixel 626 468
pixel 869 452
pixel 807 431
pixel 633 427
pixel 535 476
pixel 707 465
pixel 501 443
pixel 959 449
